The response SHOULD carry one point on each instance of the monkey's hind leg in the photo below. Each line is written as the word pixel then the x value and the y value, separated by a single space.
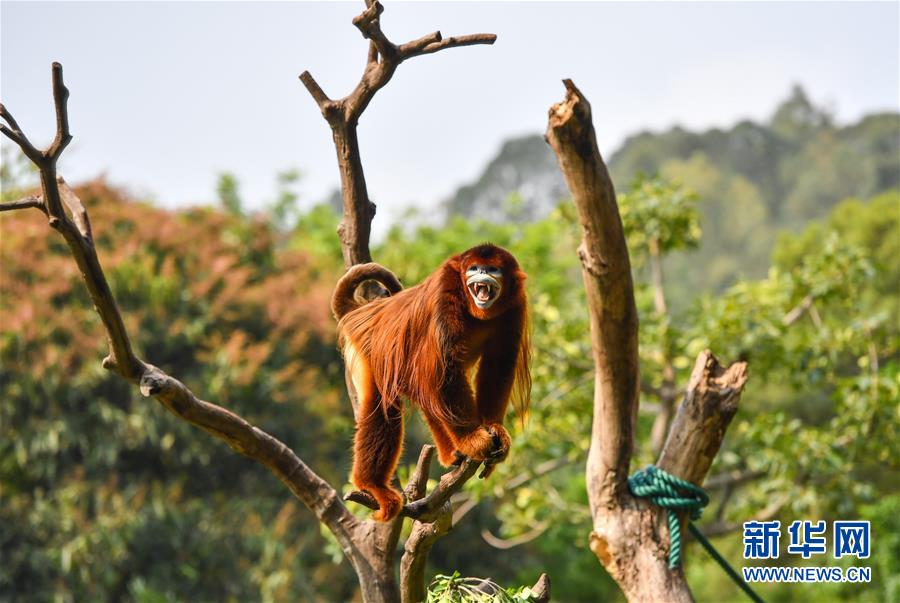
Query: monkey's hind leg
pixel 376 450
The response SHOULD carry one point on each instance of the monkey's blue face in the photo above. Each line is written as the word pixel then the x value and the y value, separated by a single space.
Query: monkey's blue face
pixel 485 283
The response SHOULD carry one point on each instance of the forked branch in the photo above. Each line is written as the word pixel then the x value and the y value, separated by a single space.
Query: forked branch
pixel 383 59
pixel 343 115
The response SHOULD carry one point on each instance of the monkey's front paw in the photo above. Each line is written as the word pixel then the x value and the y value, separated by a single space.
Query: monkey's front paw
pixel 501 442
pixel 477 445
pixel 500 451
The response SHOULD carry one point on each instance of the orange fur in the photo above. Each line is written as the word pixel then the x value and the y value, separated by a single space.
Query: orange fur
pixel 458 363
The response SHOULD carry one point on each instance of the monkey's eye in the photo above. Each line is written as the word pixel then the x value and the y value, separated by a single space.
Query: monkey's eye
pixel 472 269
pixel 494 271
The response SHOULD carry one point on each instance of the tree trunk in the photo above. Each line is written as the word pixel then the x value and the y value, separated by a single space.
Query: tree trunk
pixel 630 536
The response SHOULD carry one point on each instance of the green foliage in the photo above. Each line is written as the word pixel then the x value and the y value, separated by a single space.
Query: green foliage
pixel 17 173
pixel 658 215
pixel 455 589
pixel 315 233
pixel 797 118
pixel 105 495
pixel 885 514
pixel 285 209
pixel 871 227
pixel 818 418
pixel 737 230
pixel 227 190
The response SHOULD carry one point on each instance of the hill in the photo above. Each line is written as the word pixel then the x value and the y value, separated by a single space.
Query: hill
pixel 753 180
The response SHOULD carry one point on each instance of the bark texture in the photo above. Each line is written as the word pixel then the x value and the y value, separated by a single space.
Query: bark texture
pixel 606 272
pixel 629 536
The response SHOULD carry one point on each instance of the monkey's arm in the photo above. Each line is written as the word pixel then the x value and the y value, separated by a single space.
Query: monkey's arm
pixel 470 436
pixel 497 371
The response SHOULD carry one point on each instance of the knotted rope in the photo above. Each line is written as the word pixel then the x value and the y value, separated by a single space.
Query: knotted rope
pixel 675 494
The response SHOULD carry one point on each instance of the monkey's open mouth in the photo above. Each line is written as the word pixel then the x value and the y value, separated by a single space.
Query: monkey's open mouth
pixel 484 290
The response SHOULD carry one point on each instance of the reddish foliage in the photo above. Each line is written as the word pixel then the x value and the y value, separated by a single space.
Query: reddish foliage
pixel 193 285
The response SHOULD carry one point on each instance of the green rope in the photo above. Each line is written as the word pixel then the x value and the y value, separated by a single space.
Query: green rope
pixel 673 493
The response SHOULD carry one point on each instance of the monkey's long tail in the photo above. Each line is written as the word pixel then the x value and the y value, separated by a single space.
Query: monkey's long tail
pixel 344 298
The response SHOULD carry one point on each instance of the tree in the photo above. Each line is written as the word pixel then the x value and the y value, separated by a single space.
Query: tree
pixel 370 547
pixel 626 529
pixel 796 117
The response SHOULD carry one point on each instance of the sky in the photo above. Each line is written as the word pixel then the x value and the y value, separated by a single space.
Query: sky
pixel 167 95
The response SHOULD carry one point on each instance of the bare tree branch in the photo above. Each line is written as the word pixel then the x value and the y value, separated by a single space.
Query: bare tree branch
pixel 720 528
pixel 433 518
pixel 342 115
pixel 606 271
pixel 814 315
pixel 421 46
pixel 315 90
pixel 668 392
pixel 61 104
pixel 24 204
pixel 797 311
pixel 256 444
pixel 14 133
pixel 369 26
pixel 428 507
pixel 731 479
pixel 418 481
pixel 509 543
pixel 76 209
pixel 121 357
pixel 422 536
pixel 415 554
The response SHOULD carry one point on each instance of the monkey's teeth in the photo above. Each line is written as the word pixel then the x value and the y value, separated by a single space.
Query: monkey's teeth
pixel 482 291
